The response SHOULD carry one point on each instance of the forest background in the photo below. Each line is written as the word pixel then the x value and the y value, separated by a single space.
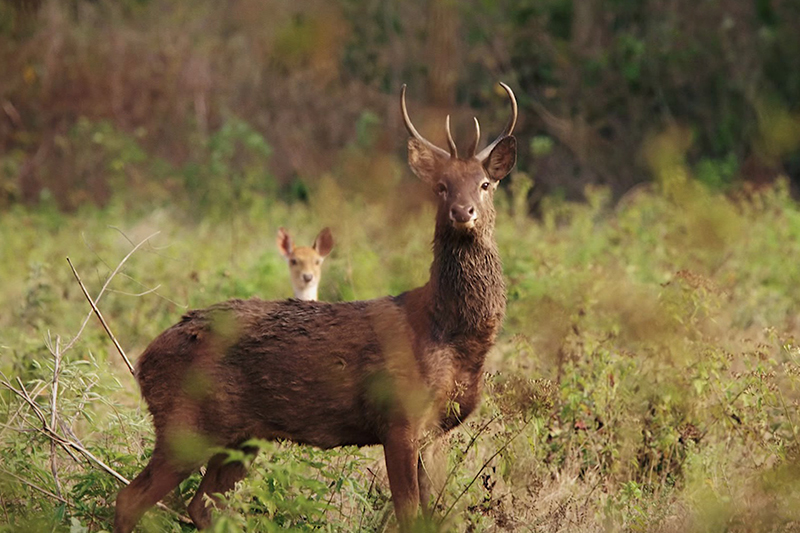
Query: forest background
pixel 647 375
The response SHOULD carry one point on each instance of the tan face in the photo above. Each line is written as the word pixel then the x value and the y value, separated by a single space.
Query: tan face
pixel 305 262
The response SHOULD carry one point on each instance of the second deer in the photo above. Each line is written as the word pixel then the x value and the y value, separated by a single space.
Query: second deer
pixel 305 262
pixel 388 371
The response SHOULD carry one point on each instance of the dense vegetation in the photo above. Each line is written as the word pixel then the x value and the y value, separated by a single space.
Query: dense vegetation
pixel 97 96
pixel 647 377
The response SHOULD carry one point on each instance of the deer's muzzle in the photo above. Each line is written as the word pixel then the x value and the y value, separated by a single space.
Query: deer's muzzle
pixel 463 216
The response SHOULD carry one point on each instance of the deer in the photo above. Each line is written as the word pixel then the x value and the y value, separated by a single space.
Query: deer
pixel 395 371
pixel 305 262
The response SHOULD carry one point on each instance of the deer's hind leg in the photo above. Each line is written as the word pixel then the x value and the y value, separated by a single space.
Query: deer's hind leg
pixel 220 477
pixel 153 483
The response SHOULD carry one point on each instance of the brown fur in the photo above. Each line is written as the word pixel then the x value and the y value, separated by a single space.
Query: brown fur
pixel 382 371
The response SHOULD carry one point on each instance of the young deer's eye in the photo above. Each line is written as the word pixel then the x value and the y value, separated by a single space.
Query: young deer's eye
pixel 318 261
pixel 485 185
pixel 441 188
pixel 293 262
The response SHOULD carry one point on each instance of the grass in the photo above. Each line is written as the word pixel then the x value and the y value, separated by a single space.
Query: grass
pixel 646 378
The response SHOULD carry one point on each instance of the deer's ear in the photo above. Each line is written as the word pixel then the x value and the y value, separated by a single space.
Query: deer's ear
pixel 284 243
pixel 502 159
pixel 422 160
pixel 323 244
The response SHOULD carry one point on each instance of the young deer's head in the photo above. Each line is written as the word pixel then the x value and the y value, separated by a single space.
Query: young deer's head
pixel 305 262
pixel 465 185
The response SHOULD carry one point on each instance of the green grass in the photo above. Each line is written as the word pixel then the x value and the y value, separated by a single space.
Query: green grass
pixel 646 378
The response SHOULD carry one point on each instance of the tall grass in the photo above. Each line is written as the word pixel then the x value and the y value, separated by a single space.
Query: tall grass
pixel 646 378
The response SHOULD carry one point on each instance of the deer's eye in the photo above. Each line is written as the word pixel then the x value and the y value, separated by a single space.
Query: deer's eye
pixel 441 188
pixel 293 262
pixel 485 185
pixel 319 261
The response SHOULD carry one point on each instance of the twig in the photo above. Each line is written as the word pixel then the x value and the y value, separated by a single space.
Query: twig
pixel 69 445
pixel 137 294
pixel 8 425
pixel 452 471
pixel 102 320
pixel 53 397
pixel 369 490
pixel 37 487
pixel 482 468
pixel 105 286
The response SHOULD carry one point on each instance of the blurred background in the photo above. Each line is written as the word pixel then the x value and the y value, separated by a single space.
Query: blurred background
pixel 146 96
pixel 647 377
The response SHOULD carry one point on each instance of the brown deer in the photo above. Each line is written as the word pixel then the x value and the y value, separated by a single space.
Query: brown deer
pixel 305 262
pixel 388 371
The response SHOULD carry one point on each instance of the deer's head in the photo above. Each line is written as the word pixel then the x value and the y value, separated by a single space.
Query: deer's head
pixel 465 185
pixel 305 262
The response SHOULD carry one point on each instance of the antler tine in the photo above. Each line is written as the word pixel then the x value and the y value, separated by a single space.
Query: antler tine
pixel 450 142
pixel 474 145
pixel 512 121
pixel 410 127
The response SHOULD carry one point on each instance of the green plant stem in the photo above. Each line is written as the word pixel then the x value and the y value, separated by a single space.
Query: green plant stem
pixel 483 467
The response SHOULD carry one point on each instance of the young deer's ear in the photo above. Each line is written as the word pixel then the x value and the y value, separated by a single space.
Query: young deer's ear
pixel 422 160
pixel 502 159
pixel 284 243
pixel 323 244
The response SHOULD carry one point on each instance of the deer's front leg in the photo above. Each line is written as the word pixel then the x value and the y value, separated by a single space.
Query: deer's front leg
pixel 401 450
pixel 431 473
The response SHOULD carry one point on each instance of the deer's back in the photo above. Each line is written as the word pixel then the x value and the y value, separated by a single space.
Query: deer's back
pixel 311 372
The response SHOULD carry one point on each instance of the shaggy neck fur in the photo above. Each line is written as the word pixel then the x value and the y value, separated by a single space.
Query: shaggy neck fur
pixel 468 291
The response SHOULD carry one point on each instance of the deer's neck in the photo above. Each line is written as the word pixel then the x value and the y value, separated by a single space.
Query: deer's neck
pixel 309 292
pixel 467 289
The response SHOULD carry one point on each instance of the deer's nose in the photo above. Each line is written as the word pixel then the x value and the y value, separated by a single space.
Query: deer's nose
pixel 308 277
pixel 462 214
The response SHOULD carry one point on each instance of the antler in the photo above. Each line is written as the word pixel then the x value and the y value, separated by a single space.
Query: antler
pixel 474 145
pixel 450 142
pixel 414 133
pixel 483 154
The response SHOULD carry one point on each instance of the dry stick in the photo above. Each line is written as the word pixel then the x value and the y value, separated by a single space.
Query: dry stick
pixel 36 392
pixel 102 320
pixel 53 397
pixel 105 286
pixel 37 487
pixel 482 468
pixel 452 471
pixel 48 429
pixel 124 357
pixel 68 445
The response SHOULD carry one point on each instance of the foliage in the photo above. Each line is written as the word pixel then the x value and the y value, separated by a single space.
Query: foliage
pixel 93 89
pixel 646 378
pixel 647 375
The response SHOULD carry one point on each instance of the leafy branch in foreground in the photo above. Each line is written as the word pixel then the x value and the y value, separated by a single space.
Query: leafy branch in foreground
pixel 53 427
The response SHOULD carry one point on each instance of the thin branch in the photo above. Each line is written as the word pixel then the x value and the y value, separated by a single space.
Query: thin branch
pixel 68 445
pixel 53 406
pixel 8 425
pixel 105 286
pixel 34 406
pixel 137 294
pixel 452 471
pixel 483 467
pixel 155 290
pixel 102 320
pixel 36 487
